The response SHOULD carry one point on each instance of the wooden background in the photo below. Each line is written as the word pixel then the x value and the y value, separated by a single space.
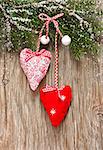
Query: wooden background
pixel 24 124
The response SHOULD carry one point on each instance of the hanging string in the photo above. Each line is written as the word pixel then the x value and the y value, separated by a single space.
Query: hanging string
pixel 56 71
pixel 40 35
pixel 48 20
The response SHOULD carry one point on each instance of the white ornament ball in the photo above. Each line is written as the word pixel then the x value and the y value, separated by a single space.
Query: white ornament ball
pixel 45 40
pixel 66 40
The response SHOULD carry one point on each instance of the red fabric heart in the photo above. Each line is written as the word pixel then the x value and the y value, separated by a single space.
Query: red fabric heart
pixel 56 102
pixel 35 65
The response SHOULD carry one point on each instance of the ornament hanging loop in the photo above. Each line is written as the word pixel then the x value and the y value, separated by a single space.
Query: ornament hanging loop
pixel 45 17
pixel 48 20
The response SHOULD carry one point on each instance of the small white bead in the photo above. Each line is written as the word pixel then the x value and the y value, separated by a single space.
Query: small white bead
pixel 66 40
pixel 45 40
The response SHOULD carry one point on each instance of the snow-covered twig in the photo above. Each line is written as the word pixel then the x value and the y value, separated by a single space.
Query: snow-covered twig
pixel 13 22
pixel 58 4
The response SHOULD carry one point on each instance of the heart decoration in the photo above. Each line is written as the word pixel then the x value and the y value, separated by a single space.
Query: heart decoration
pixel 35 65
pixel 56 102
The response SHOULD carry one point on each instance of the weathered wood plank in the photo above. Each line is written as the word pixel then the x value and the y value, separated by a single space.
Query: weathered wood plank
pixel 24 124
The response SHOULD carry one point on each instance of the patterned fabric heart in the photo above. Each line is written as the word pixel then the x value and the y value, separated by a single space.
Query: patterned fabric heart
pixel 35 65
pixel 56 102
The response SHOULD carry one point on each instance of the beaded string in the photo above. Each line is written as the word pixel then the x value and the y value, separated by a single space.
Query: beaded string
pixel 47 19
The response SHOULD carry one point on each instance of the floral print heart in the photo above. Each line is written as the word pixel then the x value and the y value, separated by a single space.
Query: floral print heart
pixel 35 65
pixel 56 102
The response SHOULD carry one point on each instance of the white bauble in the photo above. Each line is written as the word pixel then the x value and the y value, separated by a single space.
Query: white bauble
pixel 45 40
pixel 66 40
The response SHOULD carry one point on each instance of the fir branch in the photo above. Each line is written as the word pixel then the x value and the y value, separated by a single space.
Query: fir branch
pixel 80 22
pixel 70 12
pixel 13 22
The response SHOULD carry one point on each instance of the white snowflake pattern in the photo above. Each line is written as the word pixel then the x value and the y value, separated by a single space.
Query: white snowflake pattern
pixel 53 111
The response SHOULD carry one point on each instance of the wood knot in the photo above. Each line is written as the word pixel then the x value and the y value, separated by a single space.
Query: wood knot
pixel 98 111
pixel 5 81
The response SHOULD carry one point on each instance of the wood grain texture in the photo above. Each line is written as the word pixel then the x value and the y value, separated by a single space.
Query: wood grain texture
pixel 24 124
